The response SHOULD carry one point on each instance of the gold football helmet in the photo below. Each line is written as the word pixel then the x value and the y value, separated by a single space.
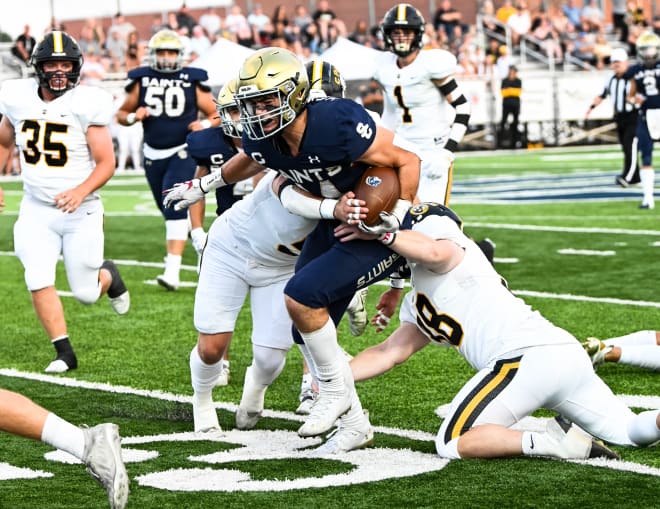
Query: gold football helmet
pixel 272 91
pixel 165 40
pixel 226 104
pixel 648 48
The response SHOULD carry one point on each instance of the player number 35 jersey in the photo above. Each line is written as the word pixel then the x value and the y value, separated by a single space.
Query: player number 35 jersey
pixel 51 136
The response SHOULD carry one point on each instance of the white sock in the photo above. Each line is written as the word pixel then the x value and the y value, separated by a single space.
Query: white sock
pixel 538 444
pixel 63 435
pixel 647 176
pixel 172 266
pixel 642 337
pixel 324 350
pixel 253 393
pixel 643 429
pixel 202 375
pixel 644 356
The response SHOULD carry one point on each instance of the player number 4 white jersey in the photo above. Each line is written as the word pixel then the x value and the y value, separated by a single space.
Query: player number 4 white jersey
pixel 51 136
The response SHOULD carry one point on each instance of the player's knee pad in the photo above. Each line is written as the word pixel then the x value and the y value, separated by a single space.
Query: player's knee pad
pixel 643 429
pixel 447 450
pixel 176 229
pixel 267 364
pixel 87 294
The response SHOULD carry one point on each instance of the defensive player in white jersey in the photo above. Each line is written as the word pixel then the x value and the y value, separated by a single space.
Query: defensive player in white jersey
pixel 236 261
pixel 62 132
pixel 523 361
pixel 423 102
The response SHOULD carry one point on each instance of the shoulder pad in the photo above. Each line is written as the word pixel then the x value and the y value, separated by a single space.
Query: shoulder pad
pixel 195 73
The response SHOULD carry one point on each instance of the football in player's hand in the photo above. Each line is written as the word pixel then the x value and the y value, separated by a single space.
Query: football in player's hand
pixel 379 187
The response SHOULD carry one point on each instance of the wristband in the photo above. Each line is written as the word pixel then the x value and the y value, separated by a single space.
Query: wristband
pixel 206 123
pixel 327 208
pixel 130 118
pixel 387 238
pixel 397 283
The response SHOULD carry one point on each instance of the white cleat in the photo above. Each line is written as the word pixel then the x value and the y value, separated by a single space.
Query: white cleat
pixel 347 438
pixel 57 366
pixel 102 456
pixel 224 376
pixel 329 406
pixel 576 443
pixel 170 284
pixel 121 304
pixel 246 419
pixel 307 400
pixel 357 312
pixel 597 350
pixel 204 415
pixel 120 300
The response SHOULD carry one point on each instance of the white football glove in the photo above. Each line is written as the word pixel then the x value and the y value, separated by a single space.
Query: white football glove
pixel 198 238
pixel 388 223
pixel 183 194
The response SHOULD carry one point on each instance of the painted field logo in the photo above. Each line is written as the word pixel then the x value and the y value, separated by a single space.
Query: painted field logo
pixel 370 465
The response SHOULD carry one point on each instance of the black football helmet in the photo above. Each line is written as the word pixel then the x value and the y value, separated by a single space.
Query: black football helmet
pixel 407 17
pixel 325 78
pixel 57 46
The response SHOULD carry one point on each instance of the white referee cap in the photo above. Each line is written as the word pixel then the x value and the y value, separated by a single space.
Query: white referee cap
pixel 619 55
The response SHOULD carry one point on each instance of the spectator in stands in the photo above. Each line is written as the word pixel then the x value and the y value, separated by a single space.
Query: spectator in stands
pixel 329 26
pixel 23 45
pixel 487 13
pixel 507 9
pixel 121 25
pixel 592 17
pixel 211 22
pixel 602 50
pixel 573 13
pixel 172 22
pixel 185 19
pixel 301 17
pixel 360 33
pixel 583 48
pixel 619 19
pixel 237 24
pixel 199 42
pixel 548 39
pixel 519 22
pixel 116 47
pixel 448 18
pixel 504 61
pixel 156 24
pixel 92 71
pixel 88 42
pixel 134 51
pixel 261 25
pixel 636 14
pixel 280 15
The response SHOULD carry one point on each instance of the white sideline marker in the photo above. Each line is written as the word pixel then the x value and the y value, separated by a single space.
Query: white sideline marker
pixel 585 252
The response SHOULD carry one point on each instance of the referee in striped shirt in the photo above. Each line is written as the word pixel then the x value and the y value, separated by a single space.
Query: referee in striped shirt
pixel 625 116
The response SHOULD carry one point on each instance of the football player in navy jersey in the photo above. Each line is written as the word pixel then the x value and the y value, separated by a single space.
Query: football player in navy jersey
pixel 167 98
pixel 322 147
pixel 645 93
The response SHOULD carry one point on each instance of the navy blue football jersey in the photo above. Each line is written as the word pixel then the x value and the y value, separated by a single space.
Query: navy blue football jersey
pixel 648 83
pixel 210 147
pixel 338 132
pixel 172 102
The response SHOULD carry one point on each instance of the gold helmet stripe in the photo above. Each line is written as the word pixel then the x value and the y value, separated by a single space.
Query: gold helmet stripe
pixel 317 74
pixel 58 45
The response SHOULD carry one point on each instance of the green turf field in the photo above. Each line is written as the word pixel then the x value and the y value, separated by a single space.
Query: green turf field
pixel 569 241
